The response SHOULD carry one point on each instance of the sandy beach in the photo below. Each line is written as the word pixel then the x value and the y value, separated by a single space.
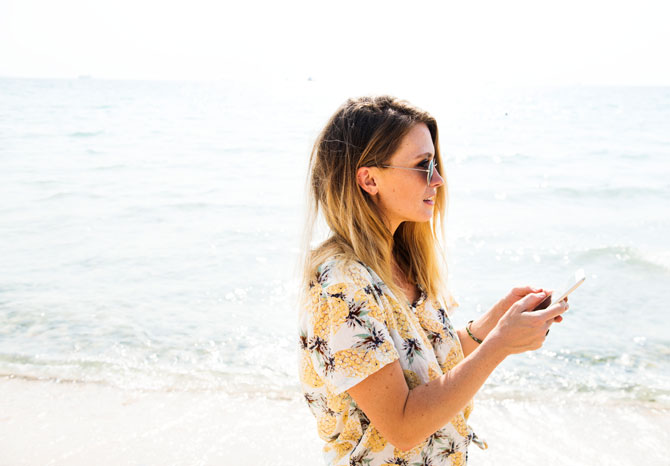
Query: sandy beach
pixel 48 423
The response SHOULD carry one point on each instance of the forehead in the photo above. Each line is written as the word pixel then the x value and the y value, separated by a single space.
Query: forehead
pixel 415 145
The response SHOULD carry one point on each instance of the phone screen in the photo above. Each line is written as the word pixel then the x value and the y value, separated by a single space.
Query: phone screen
pixel 571 285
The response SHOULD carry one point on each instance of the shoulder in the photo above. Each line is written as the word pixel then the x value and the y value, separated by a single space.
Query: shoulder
pixel 342 270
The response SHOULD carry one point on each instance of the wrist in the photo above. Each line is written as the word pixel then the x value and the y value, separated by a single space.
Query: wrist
pixel 498 309
pixel 495 346
pixel 468 329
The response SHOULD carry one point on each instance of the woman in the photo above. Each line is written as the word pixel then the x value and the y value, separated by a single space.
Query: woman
pixel 388 378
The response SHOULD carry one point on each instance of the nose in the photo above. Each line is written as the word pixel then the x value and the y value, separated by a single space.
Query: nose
pixel 437 180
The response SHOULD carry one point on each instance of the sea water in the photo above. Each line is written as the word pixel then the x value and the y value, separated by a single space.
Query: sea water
pixel 149 231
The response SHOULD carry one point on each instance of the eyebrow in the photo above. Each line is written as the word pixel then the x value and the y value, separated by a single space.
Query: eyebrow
pixel 429 154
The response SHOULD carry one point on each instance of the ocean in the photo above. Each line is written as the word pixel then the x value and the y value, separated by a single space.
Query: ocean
pixel 149 232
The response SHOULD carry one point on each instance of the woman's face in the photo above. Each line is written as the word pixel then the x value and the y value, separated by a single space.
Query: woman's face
pixel 404 195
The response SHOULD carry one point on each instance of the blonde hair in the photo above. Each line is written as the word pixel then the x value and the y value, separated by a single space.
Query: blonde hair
pixel 365 132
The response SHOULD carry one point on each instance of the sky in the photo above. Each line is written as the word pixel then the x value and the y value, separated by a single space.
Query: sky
pixel 438 42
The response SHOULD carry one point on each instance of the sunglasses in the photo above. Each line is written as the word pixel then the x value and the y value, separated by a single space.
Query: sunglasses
pixel 429 171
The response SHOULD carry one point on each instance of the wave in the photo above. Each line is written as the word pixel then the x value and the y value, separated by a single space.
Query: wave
pixel 628 255
pixel 631 377
pixel 652 261
pixel 85 134
pixel 143 376
pixel 489 158
pixel 581 194
pixel 614 192
pixel 70 195
pixel 109 167
pixel 548 193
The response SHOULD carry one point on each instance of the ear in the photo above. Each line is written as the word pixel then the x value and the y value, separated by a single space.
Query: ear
pixel 366 180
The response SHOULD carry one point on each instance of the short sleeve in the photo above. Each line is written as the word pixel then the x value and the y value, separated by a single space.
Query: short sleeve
pixel 347 332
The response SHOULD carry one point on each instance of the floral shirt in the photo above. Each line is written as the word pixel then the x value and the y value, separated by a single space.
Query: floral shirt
pixel 353 326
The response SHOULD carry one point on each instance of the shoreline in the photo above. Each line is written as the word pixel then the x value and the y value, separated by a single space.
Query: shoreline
pixel 80 424
pixel 287 393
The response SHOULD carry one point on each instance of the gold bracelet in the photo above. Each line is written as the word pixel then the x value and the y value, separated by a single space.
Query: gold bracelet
pixel 467 327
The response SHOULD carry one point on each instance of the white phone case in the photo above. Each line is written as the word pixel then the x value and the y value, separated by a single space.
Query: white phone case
pixel 571 285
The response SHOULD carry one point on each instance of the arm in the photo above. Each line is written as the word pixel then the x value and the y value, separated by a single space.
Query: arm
pixel 407 417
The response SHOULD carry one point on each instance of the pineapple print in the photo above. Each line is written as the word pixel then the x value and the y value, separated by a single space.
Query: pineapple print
pixel 408 454
pixel 321 319
pixel 395 462
pixel 337 403
pixel 412 348
pixel 374 441
pixel 468 409
pixel 434 372
pixel 307 373
pixel 360 458
pixel 400 321
pixel 411 378
pixel 356 363
pixel 372 308
pixel 337 289
pixel 452 359
pixel 339 310
pixel 359 276
pixel 352 431
pixel 323 274
pixel 458 459
pixel 459 423
pixel 409 326
pixel 447 450
pixel 341 448
pixel 438 437
pixel 424 338
pixel 326 425
pixel 337 304
pixel 428 322
pixel 314 294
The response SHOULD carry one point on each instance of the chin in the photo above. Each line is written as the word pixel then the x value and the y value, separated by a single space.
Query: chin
pixel 422 218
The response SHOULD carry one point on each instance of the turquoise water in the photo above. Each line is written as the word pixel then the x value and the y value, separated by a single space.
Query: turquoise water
pixel 149 229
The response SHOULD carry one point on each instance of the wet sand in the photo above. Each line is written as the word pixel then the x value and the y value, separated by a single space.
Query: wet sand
pixel 48 423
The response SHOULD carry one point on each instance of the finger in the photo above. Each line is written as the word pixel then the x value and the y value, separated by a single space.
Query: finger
pixel 524 290
pixel 547 325
pixel 530 301
pixel 552 311
pixel 558 319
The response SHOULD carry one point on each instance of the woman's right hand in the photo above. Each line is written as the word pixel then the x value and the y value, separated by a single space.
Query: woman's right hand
pixel 521 329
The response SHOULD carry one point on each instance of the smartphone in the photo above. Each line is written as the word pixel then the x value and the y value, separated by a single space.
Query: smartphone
pixel 559 295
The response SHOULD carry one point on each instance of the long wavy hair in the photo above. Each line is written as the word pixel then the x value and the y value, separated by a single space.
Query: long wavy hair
pixel 365 132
